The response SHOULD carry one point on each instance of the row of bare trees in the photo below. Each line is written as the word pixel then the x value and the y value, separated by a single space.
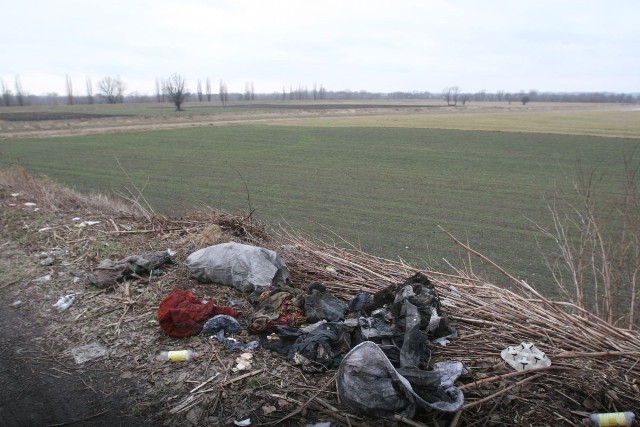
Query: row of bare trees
pixel 112 90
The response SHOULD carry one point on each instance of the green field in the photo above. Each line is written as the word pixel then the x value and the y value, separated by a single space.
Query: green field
pixel 384 189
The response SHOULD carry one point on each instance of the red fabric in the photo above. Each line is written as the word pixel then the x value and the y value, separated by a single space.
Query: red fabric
pixel 182 314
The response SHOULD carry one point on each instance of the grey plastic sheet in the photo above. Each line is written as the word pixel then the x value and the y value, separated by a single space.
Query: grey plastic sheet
pixel 245 267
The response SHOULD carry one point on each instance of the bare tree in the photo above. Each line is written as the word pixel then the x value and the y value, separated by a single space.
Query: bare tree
pixel 249 92
pixel 20 95
pixel 89 85
pixel 199 90
pixel 208 89
pixel 159 94
pixel 112 89
pixel 597 265
pixel 450 94
pixel 69 88
pixel 175 89
pixel 6 93
pixel 224 93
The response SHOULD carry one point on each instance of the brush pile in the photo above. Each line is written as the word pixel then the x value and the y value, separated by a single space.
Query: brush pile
pixel 595 366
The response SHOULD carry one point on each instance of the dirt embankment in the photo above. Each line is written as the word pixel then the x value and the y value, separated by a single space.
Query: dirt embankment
pixel 53 237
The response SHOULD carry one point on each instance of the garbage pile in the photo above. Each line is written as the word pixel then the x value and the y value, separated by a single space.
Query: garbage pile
pixel 381 343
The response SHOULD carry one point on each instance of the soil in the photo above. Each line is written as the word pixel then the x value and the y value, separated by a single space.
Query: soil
pixel 32 116
pixel 46 254
pixel 53 124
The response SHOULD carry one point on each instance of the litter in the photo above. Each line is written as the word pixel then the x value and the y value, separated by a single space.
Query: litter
pixel 626 419
pixel 179 355
pixel 47 261
pixel 319 350
pixel 222 324
pixel 29 204
pixel 369 384
pixel 182 314
pixel 43 229
pixel 320 304
pixel 246 422
pixel 525 356
pixel 86 223
pixel 65 302
pixel 43 279
pixel 245 267
pixel 243 362
pixel 277 308
pixel 88 352
pixel 148 263
pixel 109 272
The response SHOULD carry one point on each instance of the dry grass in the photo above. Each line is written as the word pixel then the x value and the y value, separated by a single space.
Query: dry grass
pixel 595 365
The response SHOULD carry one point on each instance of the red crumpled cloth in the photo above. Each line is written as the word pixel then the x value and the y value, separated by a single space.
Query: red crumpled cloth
pixel 182 314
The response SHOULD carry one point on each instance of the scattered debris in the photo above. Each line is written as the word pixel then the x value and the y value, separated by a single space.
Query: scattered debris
pixel 43 279
pixel 525 356
pixel 47 261
pixel 243 362
pixel 88 352
pixel 182 314
pixel 65 302
pixel 626 419
pixel 320 304
pixel 369 384
pixel 245 267
pixel 86 223
pixel 108 272
pixel 179 355
pixel 277 308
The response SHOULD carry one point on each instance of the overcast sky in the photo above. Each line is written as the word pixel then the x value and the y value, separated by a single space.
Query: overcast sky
pixel 378 46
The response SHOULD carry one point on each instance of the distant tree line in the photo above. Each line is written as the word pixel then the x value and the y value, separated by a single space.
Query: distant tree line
pixel 111 89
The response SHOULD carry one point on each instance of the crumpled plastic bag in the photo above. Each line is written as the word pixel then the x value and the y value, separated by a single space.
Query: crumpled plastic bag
pixel 182 314
pixel 316 351
pixel 320 304
pixel 109 272
pixel 220 325
pixel 245 267
pixel 148 263
pixel 369 384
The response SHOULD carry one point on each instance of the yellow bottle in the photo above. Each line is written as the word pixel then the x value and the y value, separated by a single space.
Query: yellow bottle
pixel 179 355
pixel 612 419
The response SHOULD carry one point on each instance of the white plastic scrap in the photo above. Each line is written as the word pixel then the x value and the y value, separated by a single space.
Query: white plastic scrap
pixel 88 352
pixel 43 229
pixel 65 302
pixel 525 356
pixel 86 223
pixel 43 279
pixel 30 204
pixel 243 362
pixel 15 194
pixel 246 422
